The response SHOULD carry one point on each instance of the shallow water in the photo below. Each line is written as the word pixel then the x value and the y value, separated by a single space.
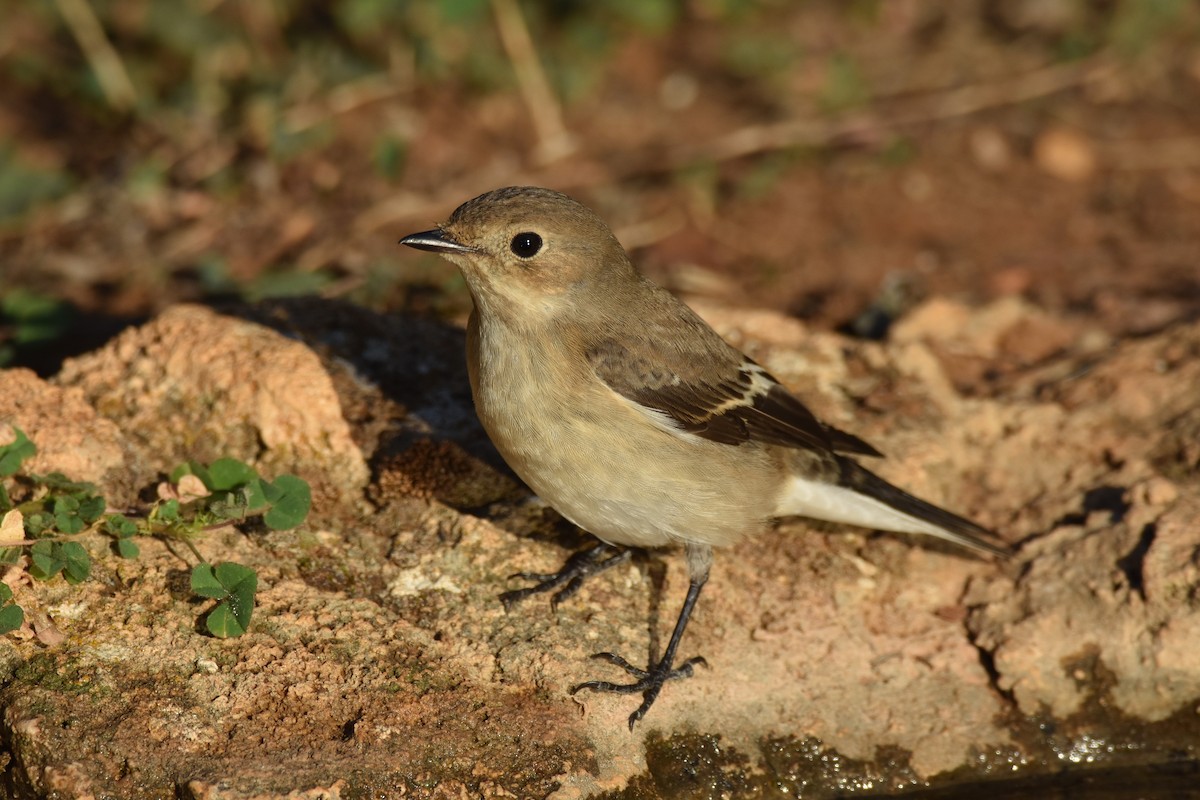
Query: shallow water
pixel 1084 767
pixel 1180 781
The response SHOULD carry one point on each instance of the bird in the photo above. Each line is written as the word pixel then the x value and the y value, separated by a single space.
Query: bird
pixel 628 414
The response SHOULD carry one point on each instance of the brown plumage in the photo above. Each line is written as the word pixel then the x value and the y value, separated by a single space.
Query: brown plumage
pixel 625 411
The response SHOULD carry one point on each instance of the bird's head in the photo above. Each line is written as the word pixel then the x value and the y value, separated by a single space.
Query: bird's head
pixel 528 250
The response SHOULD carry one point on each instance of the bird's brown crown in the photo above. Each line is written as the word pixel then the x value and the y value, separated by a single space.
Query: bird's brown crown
pixel 531 241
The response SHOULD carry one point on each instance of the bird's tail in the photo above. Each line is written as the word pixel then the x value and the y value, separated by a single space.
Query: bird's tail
pixel 860 497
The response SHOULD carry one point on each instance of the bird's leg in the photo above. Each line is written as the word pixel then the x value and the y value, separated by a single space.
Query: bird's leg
pixel 650 681
pixel 578 567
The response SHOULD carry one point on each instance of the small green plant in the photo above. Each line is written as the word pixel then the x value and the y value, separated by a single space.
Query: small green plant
pixel 55 512
pixel 233 586
pixel 11 614
pixel 11 456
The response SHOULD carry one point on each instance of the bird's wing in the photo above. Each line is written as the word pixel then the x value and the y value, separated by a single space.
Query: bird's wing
pixel 730 400
pixel 849 444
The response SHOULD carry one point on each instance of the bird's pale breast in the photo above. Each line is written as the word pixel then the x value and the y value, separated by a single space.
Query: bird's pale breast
pixel 598 461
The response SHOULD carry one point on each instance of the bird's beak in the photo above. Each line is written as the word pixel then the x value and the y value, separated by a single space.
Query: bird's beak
pixel 435 241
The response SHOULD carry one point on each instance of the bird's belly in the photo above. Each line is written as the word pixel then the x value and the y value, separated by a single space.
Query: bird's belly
pixel 644 489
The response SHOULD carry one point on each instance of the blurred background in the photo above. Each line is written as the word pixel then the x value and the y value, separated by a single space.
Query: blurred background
pixel 837 160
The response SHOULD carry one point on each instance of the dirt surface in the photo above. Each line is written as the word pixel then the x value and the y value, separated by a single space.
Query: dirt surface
pixel 381 661
pixel 965 231
pixel 814 160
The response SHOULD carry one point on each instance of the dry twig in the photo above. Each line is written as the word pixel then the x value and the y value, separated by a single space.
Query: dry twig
pixel 751 140
pixel 959 102
pixel 106 63
pixel 554 141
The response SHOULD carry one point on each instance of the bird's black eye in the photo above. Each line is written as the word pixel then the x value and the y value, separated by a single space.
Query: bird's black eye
pixel 526 245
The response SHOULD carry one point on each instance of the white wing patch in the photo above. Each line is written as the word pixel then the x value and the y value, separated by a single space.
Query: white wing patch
pixel 760 384
pixel 659 419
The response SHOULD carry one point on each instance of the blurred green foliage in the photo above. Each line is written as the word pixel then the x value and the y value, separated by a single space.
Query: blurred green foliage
pixel 245 102
pixel 24 185
pixel 206 58
pixel 286 283
pixel 28 319
pixel 1135 25
pixel 237 71
pixel 845 85
pixel 240 71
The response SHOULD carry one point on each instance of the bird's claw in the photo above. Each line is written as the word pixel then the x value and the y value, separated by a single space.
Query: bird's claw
pixel 647 681
pixel 578 567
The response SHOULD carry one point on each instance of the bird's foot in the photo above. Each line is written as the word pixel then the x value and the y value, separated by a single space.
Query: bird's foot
pixel 647 681
pixel 579 566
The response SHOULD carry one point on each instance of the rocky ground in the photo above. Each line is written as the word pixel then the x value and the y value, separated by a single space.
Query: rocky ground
pixel 381 663
pixel 964 231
